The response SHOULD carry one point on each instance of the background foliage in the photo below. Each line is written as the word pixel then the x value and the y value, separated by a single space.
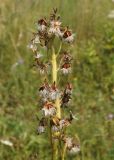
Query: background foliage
pixel 93 78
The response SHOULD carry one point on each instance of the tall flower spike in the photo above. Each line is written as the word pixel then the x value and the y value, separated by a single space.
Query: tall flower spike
pixel 52 99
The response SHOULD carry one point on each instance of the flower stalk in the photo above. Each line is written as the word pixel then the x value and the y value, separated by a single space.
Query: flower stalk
pixel 64 152
pixel 51 97
pixel 54 78
pixel 57 101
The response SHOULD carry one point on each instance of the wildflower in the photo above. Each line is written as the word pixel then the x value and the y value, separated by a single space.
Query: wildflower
pixel 65 99
pixel 66 68
pixel 36 39
pixel 74 149
pixel 42 67
pixel 66 57
pixel 55 27
pixel 68 36
pixel 44 90
pixel 68 88
pixel 32 46
pixel 55 124
pixel 41 126
pixel 66 96
pixel 64 123
pixel 51 98
pixel 49 109
pixel 42 24
pixel 54 93
pixel 68 141
pixel 66 60
pixel 72 145
pixel 40 129
pixel 67 121
pixel 38 55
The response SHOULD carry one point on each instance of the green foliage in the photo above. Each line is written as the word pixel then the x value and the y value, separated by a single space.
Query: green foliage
pixel 93 78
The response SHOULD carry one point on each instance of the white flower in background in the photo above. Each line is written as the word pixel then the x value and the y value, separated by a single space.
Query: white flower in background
pixel 111 14
pixel 6 142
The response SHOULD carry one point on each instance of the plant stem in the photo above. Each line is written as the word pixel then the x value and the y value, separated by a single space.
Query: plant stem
pixel 54 77
pixel 64 152
pixel 57 101
pixel 51 140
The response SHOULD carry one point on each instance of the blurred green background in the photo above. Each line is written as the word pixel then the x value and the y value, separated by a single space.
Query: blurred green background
pixel 93 78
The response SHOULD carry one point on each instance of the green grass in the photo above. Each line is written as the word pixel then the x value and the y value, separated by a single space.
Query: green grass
pixel 93 78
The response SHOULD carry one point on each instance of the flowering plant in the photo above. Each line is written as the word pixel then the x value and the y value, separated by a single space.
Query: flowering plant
pixel 55 61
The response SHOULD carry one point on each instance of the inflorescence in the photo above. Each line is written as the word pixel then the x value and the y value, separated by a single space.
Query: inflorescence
pixel 48 31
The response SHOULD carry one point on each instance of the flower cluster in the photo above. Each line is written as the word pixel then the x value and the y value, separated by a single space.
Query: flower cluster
pixel 52 98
